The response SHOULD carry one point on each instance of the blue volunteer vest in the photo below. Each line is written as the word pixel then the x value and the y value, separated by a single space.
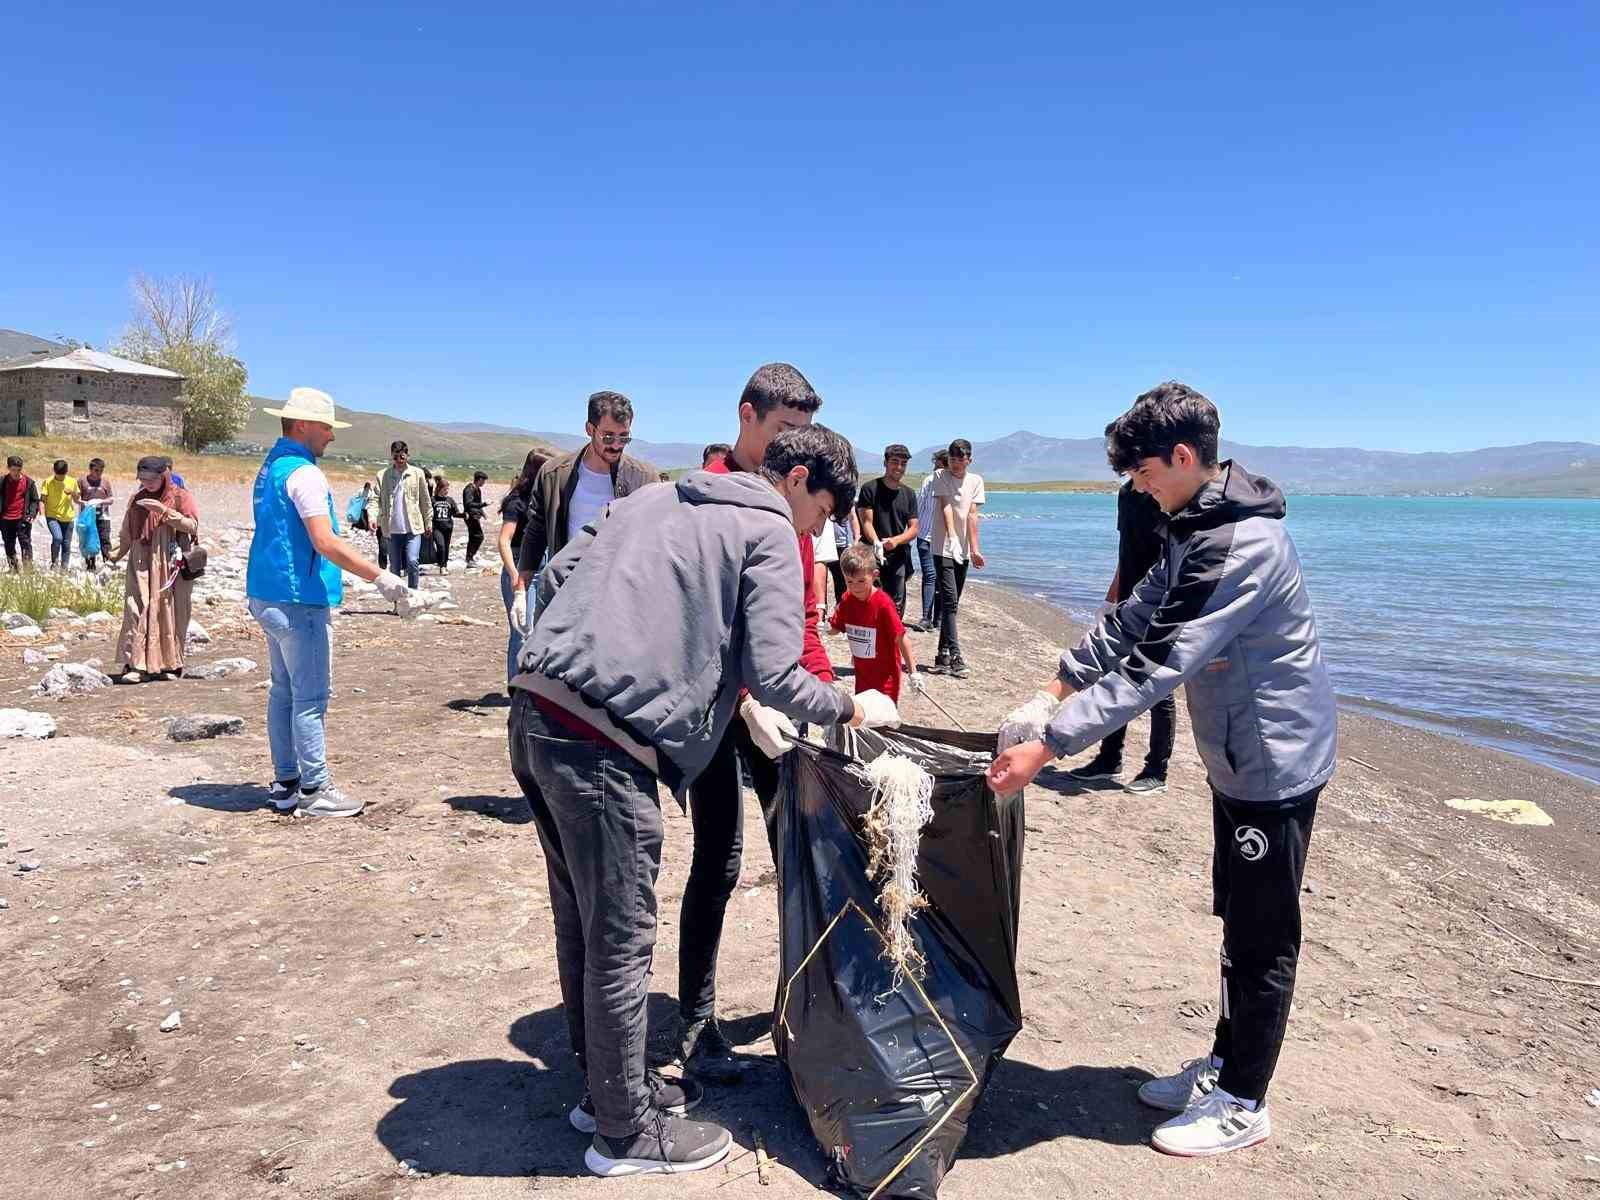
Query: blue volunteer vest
pixel 284 566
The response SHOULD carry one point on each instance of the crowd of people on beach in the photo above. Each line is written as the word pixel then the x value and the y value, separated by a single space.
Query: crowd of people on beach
pixel 669 632
pixel 671 635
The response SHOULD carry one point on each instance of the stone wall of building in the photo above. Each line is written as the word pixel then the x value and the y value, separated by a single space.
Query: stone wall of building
pixel 90 404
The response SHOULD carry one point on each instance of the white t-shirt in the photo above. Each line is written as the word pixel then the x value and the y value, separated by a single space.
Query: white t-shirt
pixel 965 494
pixel 308 491
pixel 399 519
pixel 592 493
pixel 824 549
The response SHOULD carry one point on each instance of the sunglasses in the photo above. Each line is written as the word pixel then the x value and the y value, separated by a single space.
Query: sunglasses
pixel 615 439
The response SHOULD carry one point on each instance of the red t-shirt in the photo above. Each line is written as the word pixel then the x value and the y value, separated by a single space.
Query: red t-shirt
pixel 812 656
pixel 16 493
pixel 874 629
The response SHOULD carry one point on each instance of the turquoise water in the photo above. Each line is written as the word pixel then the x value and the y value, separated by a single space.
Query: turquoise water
pixel 1473 616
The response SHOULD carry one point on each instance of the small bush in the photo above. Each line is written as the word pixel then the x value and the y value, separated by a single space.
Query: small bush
pixel 35 593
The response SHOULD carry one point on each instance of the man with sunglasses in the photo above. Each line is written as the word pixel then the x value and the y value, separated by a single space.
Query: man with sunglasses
pixel 572 491
pixel 405 505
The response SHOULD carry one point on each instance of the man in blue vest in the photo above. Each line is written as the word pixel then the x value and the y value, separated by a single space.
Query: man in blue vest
pixel 294 581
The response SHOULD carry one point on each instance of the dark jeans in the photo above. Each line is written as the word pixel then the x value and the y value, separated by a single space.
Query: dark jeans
pixel 716 808
pixel 930 582
pixel 474 537
pixel 952 580
pixel 17 534
pixel 892 576
pixel 599 823
pixel 1256 869
pixel 442 531
pixel 839 588
pixel 1163 731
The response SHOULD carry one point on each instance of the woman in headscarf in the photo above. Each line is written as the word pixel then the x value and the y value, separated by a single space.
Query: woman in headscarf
pixel 161 524
pixel 513 521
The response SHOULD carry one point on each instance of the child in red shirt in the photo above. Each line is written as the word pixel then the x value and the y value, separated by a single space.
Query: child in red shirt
pixel 868 617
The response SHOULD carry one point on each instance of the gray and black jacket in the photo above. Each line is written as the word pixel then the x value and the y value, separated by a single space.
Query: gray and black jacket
pixel 551 499
pixel 1224 611
pixel 670 603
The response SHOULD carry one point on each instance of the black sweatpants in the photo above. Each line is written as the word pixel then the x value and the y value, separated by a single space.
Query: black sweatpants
pixel 17 534
pixel 441 542
pixel 892 576
pixel 474 537
pixel 716 811
pixel 1163 732
pixel 1256 869
pixel 952 581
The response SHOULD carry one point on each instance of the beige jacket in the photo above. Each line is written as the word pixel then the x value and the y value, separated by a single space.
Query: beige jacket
pixel 418 506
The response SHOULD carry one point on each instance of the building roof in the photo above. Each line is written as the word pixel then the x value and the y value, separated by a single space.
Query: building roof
pixel 15 345
pixel 90 360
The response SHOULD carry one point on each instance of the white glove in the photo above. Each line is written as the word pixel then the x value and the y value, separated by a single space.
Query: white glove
pixel 1026 724
pixel 918 684
pixel 877 710
pixel 519 609
pixel 879 552
pixel 390 587
pixel 773 732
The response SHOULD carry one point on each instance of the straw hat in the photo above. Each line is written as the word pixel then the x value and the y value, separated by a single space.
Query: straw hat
pixel 308 404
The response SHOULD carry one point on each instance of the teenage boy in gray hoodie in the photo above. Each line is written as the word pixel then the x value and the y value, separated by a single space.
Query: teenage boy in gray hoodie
pixel 650 624
pixel 1225 611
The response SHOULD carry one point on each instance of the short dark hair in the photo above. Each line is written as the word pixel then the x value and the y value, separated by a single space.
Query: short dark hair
pixel 477 475
pixel 1160 419
pixel 779 384
pixel 60 467
pixel 941 458
pixel 398 447
pixel 721 448
pixel 960 448
pixel 858 558
pixel 97 464
pixel 823 453
pixel 663 477
pixel 896 450
pixel 610 404
pixel 13 461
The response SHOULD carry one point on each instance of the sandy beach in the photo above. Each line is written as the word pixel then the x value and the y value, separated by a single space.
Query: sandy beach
pixel 359 995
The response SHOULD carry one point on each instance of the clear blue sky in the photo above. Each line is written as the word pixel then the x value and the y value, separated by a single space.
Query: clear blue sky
pixel 1360 225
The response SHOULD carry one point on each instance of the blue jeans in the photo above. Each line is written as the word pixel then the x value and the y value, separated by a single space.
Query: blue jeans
pixel 60 542
pixel 514 637
pixel 405 549
pixel 930 582
pixel 300 646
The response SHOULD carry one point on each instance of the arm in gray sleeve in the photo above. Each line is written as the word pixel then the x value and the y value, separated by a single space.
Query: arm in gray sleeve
pixel 1116 633
pixel 772 606
pixel 1216 594
pixel 558 568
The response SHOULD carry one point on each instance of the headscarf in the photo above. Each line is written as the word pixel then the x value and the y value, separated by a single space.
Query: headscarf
pixel 143 522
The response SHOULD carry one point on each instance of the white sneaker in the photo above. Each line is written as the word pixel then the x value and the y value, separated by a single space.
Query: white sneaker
pixel 328 801
pixel 1175 1093
pixel 1215 1125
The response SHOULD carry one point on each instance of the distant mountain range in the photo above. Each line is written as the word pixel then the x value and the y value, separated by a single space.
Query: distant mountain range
pixel 1550 469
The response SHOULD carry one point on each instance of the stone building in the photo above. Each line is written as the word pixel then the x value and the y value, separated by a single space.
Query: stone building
pixel 89 394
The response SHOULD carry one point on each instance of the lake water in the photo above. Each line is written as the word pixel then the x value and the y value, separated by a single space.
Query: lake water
pixel 1476 617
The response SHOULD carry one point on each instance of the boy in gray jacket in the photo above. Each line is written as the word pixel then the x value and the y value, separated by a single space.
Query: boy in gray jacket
pixel 649 625
pixel 1224 611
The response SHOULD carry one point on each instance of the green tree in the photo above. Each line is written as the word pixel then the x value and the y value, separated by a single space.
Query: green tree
pixel 178 325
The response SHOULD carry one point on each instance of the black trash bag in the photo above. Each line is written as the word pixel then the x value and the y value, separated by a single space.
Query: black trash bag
pixel 889 1077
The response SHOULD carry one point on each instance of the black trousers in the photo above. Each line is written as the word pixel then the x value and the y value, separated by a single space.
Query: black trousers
pixel 474 537
pixel 835 570
pixel 892 576
pixel 952 581
pixel 17 534
pixel 1256 869
pixel 441 542
pixel 1163 732
pixel 716 811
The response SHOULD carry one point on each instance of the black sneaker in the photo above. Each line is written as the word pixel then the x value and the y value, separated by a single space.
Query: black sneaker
pixel 672 1096
pixel 1099 767
pixel 666 1146
pixel 1148 783
pixel 941 666
pixel 958 669
pixel 284 795
pixel 706 1053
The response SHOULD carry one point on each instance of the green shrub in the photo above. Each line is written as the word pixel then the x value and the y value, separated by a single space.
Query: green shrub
pixel 37 592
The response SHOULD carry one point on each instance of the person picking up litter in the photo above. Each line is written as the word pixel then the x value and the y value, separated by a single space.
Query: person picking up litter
pixel 649 623
pixel 868 618
pixel 1225 611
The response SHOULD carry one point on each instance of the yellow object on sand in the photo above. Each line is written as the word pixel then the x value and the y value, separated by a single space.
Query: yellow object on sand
pixel 1513 812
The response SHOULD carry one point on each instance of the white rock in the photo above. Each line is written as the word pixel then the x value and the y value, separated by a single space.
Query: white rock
pixel 31 864
pixel 197 633
pixel 15 620
pixel 26 633
pixel 220 669
pixel 23 723
pixel 62 614
pixel 98 618
pixel 71 678
pixel 173 1020
pixel 34 658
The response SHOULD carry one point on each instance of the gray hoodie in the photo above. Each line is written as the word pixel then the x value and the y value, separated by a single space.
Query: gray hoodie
pixel 670 603
pixel 1225 611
